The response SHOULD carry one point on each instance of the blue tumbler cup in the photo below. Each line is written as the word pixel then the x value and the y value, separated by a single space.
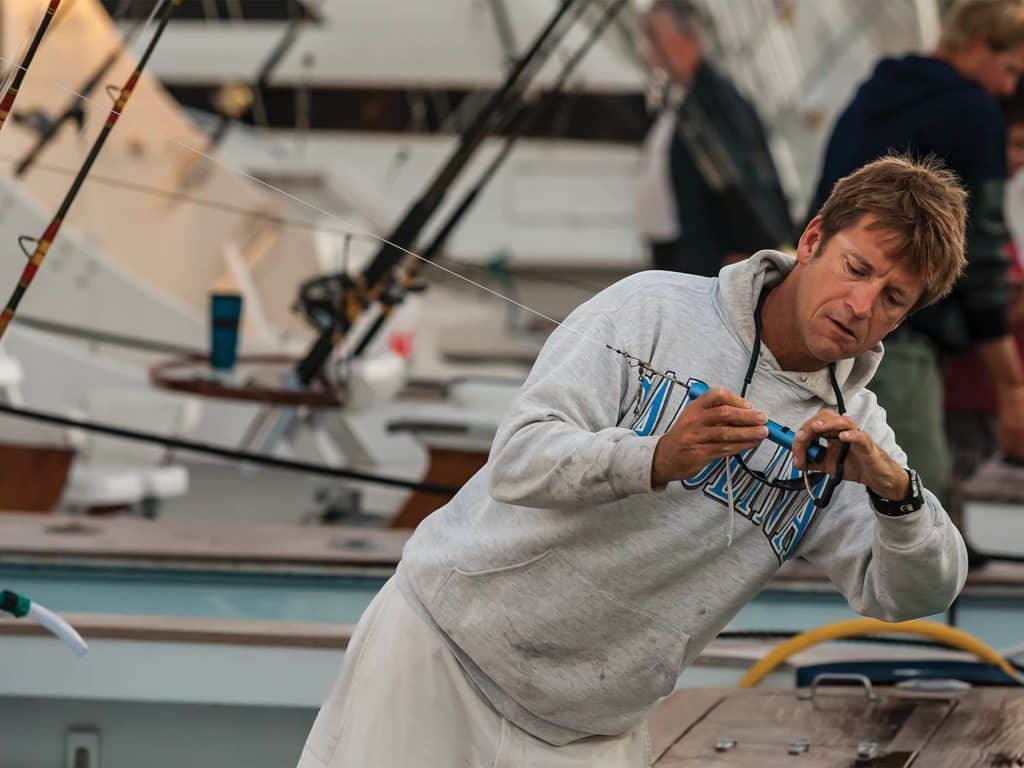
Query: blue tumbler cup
pixel 225 312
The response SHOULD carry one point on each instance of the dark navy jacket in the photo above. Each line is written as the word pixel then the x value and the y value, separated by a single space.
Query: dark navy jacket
pixel 727 192
pixel 923 106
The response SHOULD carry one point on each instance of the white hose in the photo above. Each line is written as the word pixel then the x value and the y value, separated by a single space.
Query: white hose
pixel 51 621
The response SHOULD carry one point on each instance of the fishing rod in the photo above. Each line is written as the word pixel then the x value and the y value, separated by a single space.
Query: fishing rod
pixel 521 122
pixel 7 102
pixel 75 110
pixel 35 259
pixel 241 457
pixel 335 302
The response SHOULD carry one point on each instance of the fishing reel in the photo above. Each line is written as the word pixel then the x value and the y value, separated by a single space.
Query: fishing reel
pixel 334 301
pixel 323 300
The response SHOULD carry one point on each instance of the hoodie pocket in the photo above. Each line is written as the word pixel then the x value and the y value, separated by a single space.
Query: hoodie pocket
pixel 560 646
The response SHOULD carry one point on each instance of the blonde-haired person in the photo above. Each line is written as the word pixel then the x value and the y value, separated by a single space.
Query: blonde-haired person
pixel 945 104
pixel 970 399
pixel 624 518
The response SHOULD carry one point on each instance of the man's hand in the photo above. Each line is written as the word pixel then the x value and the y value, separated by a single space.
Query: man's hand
pixel 866 463
pixel 718 423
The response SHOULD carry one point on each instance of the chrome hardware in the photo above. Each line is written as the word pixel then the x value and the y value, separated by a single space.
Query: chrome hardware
pixel 798 746
pixel 808 695
pixel 724 744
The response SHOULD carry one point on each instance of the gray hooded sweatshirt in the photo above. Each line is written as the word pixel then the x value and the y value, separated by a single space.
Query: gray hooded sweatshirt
pixel 572 592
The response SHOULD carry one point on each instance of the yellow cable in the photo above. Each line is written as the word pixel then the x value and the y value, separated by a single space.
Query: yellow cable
pixel 951 636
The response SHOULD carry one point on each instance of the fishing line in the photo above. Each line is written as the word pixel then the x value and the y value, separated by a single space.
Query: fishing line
pixel 633 361
pixel 369 236
pixel 124 185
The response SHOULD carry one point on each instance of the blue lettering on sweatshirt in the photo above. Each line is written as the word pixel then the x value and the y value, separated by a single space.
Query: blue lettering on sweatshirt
pixel 784 516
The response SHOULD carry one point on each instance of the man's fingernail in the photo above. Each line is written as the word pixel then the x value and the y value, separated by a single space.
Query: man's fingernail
pixel 819 423
pixel 747 405
pixel 762 415
pixel 843 435
pixel 800 435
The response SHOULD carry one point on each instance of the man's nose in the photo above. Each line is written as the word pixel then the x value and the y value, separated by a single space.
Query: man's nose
pixel 861 299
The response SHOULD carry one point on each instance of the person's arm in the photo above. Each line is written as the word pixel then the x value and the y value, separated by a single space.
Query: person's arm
pixel 889 568
pixel 769 201
pixel 560 446
pixel 1016 314
pixel 1001 357
pixel 696 199
pixel 983 291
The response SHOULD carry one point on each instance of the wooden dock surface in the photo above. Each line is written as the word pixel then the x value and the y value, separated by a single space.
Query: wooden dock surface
pixel 750 728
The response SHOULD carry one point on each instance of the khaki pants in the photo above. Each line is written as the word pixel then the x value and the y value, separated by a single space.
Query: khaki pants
pixel 402 701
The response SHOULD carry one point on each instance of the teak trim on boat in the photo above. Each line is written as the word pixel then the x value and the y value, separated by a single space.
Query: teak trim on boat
pixel 184 629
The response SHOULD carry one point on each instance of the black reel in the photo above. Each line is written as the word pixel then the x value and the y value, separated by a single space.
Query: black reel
pixel 322 300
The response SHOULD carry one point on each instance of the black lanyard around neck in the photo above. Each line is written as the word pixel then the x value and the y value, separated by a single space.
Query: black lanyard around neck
pixel 810 479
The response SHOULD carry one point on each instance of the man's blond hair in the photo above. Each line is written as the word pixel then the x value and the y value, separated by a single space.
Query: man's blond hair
pixel 919 201
pixel 999 23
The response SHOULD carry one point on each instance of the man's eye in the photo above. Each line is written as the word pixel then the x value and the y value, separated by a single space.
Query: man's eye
pixel 853 270
pixel 894 298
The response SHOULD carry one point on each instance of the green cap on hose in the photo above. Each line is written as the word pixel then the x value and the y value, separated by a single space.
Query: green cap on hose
pixel 15 604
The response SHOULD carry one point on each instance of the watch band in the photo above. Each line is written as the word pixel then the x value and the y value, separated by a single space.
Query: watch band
pixel 913 501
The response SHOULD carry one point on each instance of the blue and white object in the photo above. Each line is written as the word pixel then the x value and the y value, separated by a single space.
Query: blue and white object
pixel 20 606
pixel 777 433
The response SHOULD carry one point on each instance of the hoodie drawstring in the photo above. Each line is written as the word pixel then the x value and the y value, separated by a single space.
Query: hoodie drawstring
pixel 731 511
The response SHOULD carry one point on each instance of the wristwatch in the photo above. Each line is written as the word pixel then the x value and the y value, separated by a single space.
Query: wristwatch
pixel 912 502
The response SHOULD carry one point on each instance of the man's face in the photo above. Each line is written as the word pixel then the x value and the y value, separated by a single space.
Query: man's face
pixel 668 48
pixel 850 293
pixel 997 71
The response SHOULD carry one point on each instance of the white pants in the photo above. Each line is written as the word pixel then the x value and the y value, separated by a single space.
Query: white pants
pixel 402 700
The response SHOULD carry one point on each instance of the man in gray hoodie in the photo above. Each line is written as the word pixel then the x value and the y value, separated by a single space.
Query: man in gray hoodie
pixel 627 513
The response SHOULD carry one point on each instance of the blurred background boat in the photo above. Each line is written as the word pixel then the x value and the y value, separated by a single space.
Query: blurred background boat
pixel 217 595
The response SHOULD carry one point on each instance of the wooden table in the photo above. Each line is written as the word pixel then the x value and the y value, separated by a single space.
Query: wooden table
pixel 750 728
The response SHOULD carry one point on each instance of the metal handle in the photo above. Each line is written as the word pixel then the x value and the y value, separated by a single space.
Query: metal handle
pixel 869 693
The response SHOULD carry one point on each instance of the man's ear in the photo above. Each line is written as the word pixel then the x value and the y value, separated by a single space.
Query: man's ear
pixel 810 241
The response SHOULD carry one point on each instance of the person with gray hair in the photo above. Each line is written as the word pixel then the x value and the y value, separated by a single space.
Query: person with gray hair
pixel 709 190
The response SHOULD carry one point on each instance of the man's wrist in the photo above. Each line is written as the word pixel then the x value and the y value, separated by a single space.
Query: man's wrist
pixel 894 506
pixel 658 479
pixel 894 485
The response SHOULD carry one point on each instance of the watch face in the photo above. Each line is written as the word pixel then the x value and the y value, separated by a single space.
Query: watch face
pixel 915 499
pixel 915 485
